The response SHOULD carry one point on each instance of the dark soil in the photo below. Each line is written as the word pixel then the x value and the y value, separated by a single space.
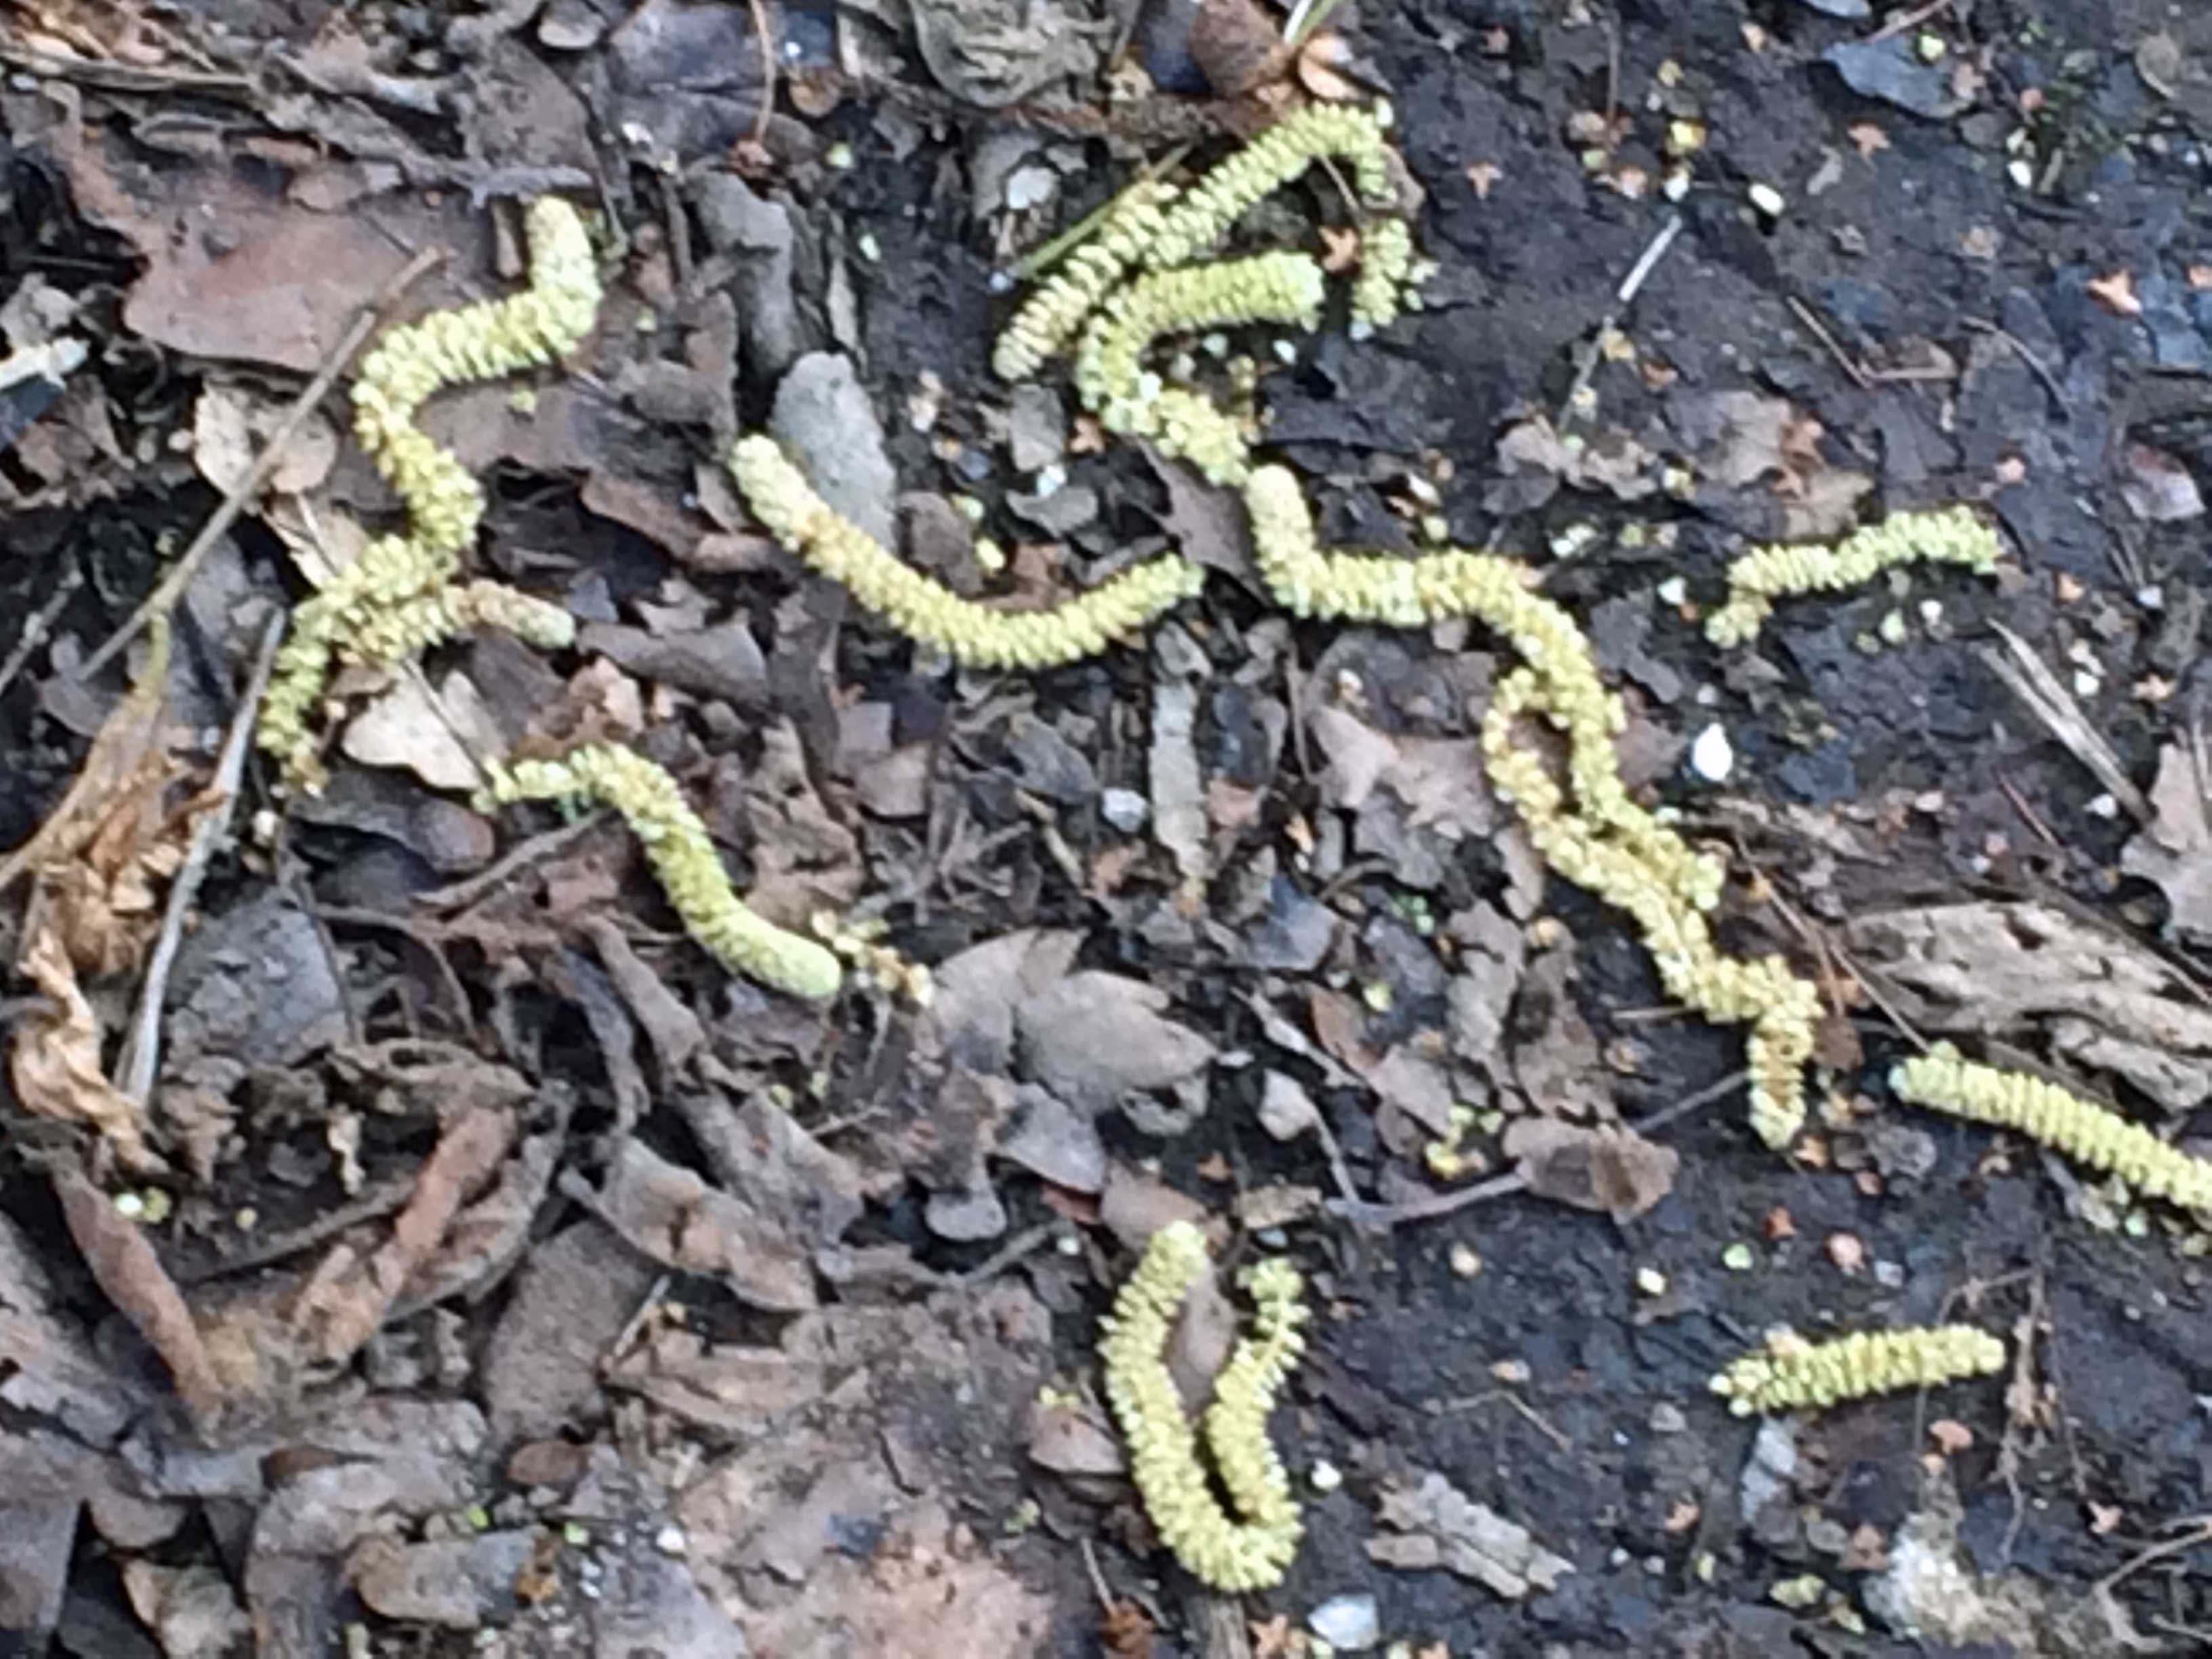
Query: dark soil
pixel 1963 353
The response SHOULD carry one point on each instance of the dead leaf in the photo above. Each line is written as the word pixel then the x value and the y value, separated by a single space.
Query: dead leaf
pixel 229 428
pixel 2175 851
pixel 55 1060
pixel 1441 781
pixel 2036 974
pixel 677 1219
pixel 1075 1440
pixel 410 728
pixel 1095 1037
pixel 1482 175
pixel 1236 45
pixel 1439 1526
pixel 1609 1168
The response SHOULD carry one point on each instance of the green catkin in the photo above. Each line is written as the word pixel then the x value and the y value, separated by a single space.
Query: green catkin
pixel 1253 1548
pixel 926 612
pixel 1357 134
pixel 351 618
pixel 1789 1373
pixel 683 857
pixel 2089 1134
pixel 1956 535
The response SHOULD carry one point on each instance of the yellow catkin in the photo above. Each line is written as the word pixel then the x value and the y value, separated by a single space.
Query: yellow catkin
pixel 1789 1373
pixel 1049 320
pixel 1604 840
pixel 1357 134
pixel 1955 535
pixel 353 616
pixel 928 611
pixel 2089 1134
pixel 1253 1548
pixel 1380 290
pixel 1131 400
pixel 683 857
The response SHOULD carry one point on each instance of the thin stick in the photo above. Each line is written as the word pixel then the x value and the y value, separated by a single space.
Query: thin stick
pixel 164 597
pixel 2041 368
pixel 1631 286
pixel 34 631
pixel 766 110
pixel 1849 365
pixel 2033 681
pixel 142 1050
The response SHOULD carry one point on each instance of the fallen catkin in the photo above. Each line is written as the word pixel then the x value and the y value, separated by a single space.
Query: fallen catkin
pixel 1789 1372
pixel 1604 840
pixel 2104 1141
pixel 1253 1548
pixel 1049 320
pixel 1956 535
pixel 353 616
pixel 973 635
pixel 683 857
pixel 1130 399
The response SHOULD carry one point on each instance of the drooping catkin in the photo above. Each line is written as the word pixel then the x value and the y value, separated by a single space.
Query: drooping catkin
pixel 683 857
pixel 1956 535
pixel 1944 1081
pixel 974 635
pixel 1789 1372
pixel 1253 1547
pixel 358 615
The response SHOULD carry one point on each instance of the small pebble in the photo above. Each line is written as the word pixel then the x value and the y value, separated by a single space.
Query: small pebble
pixel 1767 199
pixel 1326 1476
pixel 1738 1258
pixel 1651 1281
pixel 1465 1261
pixel 1667 1418
pixel 670 1541
pixel 1712 756
pixel 1349 1624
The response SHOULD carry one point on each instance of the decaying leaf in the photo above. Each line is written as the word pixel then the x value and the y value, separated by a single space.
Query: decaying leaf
pixel 1441 781
pixel 2176 850
pixel 1609 1168
pixel 55 1060
pixel 1436 1525
pixel 2015 971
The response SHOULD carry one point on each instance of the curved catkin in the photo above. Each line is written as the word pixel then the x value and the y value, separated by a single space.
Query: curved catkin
pixel 683 857
pixel 1943 1081
pixel 1956 535
pixel 1253 1548
pixel 930 613
pixel 1049 320
pixel 392 601
pixel 1604 841
pixel 1788 1373
pixel 1110 377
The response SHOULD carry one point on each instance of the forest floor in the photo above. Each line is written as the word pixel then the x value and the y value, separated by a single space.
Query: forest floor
pixel 423 1247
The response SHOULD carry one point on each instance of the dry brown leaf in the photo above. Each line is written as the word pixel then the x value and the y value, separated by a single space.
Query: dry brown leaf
pixel 1439 1526
pixel 1608 1168
pixel 54 1061
pixel 2176 850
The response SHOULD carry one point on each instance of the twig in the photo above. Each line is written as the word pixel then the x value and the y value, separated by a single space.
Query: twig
pixel 1624 296
pixel 142 1050
pixel 172 587
pixel 1543 1424
pixel 2033 681
pixel 2041 369
pixel 1305 21
pixel 1910 19
pixel 1689 1104
pixel 1428 1205
pixel 460 894
pixel 1043 257
pixel 122 77
pixel 1849 364
pixel 2200 1532
pixel 34 630
pixel 2028 814
pixel 766 112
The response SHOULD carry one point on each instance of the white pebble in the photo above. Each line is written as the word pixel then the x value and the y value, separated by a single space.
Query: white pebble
pixel 1674 591
pixel 1767 199
pixel 2104 806
pixel 1349 1624
pixel 1711 757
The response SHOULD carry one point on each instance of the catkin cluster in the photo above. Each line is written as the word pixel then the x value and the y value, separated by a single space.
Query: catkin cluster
pixel 1253 1548
pixel 1789 1373
pixel 2087 1134
pixel 1956 535
pixel 928 611
pixel 398 597
pixel 683 858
